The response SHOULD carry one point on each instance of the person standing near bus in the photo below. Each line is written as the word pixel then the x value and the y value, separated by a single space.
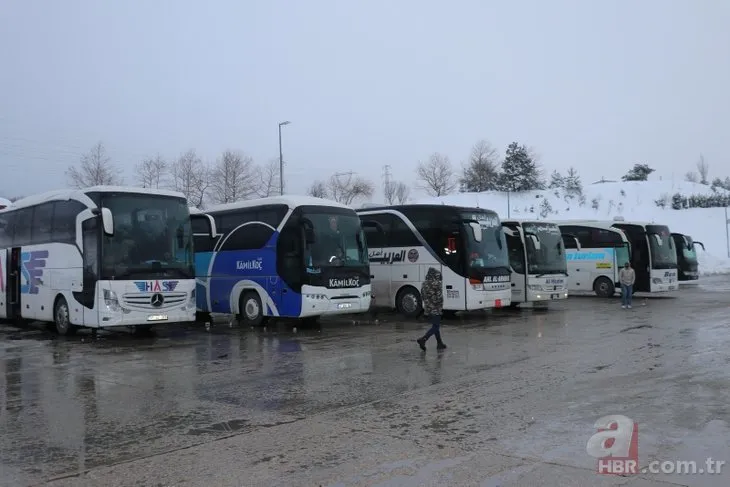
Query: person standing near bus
pixel 627 276
pixel 432 296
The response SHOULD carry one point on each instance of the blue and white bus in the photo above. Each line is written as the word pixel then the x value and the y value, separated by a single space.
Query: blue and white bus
pixel 99 257
pixel 284 256
pixel 607 245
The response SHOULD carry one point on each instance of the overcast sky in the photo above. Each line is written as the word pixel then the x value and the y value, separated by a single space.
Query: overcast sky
pixel 598 85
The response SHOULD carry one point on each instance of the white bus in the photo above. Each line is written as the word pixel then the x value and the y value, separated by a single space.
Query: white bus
pixel 467 245
pixel 538 260
pixel 98 257
pixel 283 256
pixel 607 245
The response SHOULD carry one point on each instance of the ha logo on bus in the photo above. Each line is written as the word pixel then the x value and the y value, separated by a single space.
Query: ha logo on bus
pixel 350 282
pixel 156 286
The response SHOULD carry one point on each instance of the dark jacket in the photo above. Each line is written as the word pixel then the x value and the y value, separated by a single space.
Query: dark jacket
pixel 432 293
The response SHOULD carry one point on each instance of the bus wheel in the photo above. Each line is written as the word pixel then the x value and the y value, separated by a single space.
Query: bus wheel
pixel 408 302
pixel 603 287
pixel 250 311
pixel 62 318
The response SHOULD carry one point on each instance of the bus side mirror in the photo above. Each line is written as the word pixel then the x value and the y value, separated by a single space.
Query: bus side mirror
pixel 476 229
pixel 535 240
pixel 107 221
pixel 373 224
pixel 700 244
pixel 308 227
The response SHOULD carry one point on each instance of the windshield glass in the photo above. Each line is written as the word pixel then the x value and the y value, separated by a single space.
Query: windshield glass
pixel 339 240
pixel 550 257
pixel 663 253
pixel 690 255
pixel 491 252
pixel 152 237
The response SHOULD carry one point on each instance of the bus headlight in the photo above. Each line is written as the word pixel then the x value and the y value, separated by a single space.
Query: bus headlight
pixel 191 300
pixel 111 301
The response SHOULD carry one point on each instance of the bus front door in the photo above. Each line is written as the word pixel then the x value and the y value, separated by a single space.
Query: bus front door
pixel 12 284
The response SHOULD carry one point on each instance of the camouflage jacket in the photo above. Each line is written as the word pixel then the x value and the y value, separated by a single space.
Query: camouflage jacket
pixel 432 293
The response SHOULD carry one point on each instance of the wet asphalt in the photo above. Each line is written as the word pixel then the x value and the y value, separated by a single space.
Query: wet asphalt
pixel 512 401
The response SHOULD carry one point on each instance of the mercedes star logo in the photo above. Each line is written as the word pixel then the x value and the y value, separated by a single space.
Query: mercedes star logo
pixel 157 300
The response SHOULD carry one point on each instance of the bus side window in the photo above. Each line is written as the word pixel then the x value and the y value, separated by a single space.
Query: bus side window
pixel 516 253
pixel 23 224
pixel 89 230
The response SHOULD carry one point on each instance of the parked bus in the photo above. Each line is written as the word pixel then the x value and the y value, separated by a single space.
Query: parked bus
pixel 99 257
pixel 467 245
pixel 607 245
pixel 288 256
pixel 538 261
pixel 687 265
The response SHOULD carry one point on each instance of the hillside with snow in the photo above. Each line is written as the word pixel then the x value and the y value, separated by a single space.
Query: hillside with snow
pixel 633 200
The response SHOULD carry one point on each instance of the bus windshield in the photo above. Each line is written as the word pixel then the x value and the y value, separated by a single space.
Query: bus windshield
pixel 491 252
pixel 339 240
pixel 152 237
pixel 661 244
pixel 550 257
pixel 690 254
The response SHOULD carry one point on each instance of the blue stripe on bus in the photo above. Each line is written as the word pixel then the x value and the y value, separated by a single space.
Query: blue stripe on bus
pixel 220 271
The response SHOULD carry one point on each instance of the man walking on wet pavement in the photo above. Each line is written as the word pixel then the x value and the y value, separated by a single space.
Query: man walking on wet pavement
pixel 627 276
pixel 432 296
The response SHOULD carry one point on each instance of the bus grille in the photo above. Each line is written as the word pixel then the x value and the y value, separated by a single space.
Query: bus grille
pixel 144 300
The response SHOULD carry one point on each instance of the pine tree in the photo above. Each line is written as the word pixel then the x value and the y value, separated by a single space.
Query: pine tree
pixel 573 184
pixel 519 170
pixel 640 172
pixel 545 208
pixel 557 180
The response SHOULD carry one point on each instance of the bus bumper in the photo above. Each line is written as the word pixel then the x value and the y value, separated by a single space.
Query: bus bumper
pixel 487 299
pixel 322 305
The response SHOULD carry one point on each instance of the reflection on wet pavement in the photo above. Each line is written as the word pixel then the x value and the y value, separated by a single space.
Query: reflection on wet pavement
pixel 512 384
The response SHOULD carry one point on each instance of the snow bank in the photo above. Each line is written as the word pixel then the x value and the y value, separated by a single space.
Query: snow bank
pixel 634 200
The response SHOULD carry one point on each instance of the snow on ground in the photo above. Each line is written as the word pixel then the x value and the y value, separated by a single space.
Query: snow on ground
pixel 633 200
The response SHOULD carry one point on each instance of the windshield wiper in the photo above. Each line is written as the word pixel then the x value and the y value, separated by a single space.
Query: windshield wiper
pixel 555 272
pixel 154 272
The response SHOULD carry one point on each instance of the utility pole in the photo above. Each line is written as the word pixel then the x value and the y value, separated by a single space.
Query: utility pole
pixel 281 160
pixel 386 183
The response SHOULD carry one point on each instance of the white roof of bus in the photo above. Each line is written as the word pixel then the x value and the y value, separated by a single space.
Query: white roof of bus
pixel 601 223
pixel 525 220
pixel 80 194
pixel 292 201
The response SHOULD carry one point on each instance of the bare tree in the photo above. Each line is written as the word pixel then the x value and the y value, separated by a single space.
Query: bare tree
pixel 402 192
pixel 95 169
pixel 151 172
pixel 703 169
pixel 233 178
pixel 269 179
pixel 389 187
pixel 691 177
pixel 190 176
pixel 318 189
pixel 345 188
pixel 482 171
pixel 436 175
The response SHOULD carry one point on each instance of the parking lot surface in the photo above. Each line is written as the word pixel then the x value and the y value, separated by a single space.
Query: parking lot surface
pixel 512 401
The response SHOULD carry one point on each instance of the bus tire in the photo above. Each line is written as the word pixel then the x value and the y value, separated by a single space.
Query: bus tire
pixel 408 302
pixel 250 310
pixel 62 318
pixel 604 287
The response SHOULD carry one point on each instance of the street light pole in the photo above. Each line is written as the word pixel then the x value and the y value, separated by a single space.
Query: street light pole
pixel 281 160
